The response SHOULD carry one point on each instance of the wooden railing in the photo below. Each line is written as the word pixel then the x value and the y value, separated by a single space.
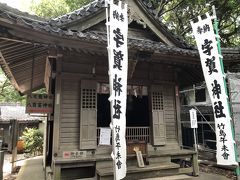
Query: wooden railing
pixel 134 133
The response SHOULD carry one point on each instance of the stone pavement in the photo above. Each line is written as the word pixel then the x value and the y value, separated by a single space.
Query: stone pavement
pixel 7 165
pixel 32 169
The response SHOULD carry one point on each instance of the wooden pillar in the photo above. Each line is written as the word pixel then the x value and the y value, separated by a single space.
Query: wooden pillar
pixel 195 165
pixel 178 108
pixel 57 108
pixel 45 144
pixel 57 172
pixel 57 117
pixel 1 164
pixel 15 127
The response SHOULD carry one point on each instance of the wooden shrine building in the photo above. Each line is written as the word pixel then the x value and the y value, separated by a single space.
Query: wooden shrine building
pixel 68 56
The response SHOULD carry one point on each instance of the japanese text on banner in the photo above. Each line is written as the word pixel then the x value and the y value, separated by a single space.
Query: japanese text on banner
pixel 207 47
pixel 118 64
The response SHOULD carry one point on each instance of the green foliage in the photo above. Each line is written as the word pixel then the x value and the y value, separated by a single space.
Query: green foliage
pixel 33 140
pixel 50 9
pixel 7 91
pixel 9 94
pixel 41 91
pixel 76 4
pixel 177 15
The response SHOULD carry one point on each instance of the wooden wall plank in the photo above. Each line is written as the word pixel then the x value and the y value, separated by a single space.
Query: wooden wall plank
pixel 67 130
pixel 70 109
pixel 76 68
pixel 169 113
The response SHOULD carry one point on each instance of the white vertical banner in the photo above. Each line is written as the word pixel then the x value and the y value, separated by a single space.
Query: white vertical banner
pixel 118 68
pixel 211 66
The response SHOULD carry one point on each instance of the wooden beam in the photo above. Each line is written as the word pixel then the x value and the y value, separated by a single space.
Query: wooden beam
pixel 15 40
pixel 15 45
pixel 15 49
pixel 24 54
pixel 8 72
pixel 136 9
pixel 23 62
pixel 52 39
pixel 7 44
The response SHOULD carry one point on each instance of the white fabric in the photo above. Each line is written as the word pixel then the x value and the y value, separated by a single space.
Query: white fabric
pixel 118 25
pixel 204 33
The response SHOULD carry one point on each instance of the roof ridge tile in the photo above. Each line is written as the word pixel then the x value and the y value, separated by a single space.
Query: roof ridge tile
pixel 78 14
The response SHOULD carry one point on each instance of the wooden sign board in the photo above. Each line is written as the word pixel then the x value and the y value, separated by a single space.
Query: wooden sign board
pixel 39 103
pixel 140 159
pixel 193 118
pixel 74 154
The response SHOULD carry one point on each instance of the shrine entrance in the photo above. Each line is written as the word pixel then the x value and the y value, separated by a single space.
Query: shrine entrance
pixel 137 113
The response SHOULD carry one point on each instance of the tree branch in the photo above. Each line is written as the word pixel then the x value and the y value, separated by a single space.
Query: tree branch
pixel 171 8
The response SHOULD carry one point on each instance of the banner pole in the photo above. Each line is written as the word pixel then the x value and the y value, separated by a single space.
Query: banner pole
pixel 195 140
pixel 107 2
pixel 237 170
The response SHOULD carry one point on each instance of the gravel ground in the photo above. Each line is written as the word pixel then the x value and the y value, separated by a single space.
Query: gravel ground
pixel 207 164
pixel 216 170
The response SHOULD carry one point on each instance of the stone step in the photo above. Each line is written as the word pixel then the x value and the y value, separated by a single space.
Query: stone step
pixel 132 161
pixel 135 173
pixel 176 177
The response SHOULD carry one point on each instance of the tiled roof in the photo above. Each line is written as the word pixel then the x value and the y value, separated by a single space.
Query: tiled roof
pixel 99 5
pixel 40 24
pixel 91 36
pixel 78 14
pixel 8 112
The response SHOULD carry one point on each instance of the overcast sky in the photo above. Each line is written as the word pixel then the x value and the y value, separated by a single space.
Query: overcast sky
pixel 22 5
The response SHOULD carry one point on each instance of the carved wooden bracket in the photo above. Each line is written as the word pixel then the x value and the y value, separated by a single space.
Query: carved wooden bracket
pixel 133 16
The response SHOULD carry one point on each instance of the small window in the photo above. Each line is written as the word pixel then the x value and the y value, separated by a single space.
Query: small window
pixel 88 98
pixel 157 100
pixel 200 95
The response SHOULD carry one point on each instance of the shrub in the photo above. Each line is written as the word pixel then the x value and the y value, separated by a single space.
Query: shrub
pixel 33 140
